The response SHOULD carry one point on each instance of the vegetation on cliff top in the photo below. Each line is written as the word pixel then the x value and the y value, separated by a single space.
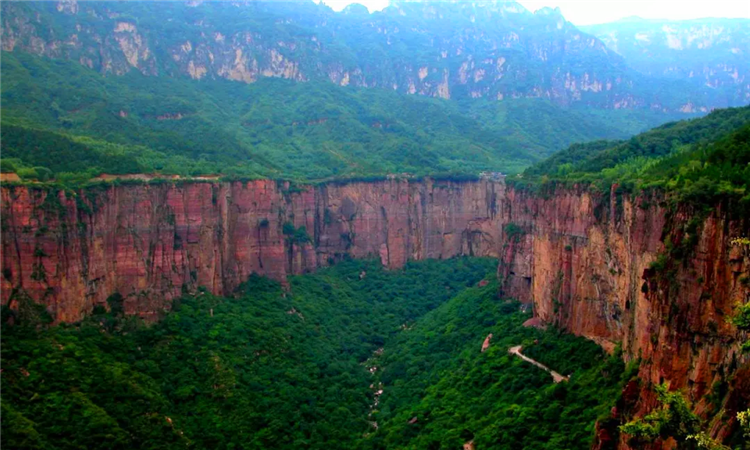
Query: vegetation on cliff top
pixel 265 369
pixel 700 160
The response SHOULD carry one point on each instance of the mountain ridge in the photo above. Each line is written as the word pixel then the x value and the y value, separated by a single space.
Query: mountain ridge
pixel 447 50
pixel 709 52
pixel 274 127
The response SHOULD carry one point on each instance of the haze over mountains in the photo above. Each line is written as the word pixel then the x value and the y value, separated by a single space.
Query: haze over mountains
pixel 188 88
pixel 707 52
pixel 457 50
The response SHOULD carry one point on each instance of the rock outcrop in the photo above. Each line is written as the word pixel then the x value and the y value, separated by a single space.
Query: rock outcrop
pixel 151 243
pixel 599 266
pixel 660 282
pixel 476 54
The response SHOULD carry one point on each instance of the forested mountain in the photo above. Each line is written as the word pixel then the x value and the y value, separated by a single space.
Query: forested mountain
pixel 272 128
pixel 296 90
pixel 710 52
pixel 494 50
pixel 658 142
pixel 701 160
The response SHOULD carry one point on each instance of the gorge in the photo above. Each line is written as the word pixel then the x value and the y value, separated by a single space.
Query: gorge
pixel 600 265
pixel 273 224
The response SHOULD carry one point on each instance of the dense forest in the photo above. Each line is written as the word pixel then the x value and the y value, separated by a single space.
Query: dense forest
pixel 700 161
pixel 441 392
pixel 270 369
pixel 66 122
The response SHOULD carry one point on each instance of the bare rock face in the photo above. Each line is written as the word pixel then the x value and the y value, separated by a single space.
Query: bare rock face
pixel 150 243
pixel 585 261
pixel 592 272
pixel 486 343
pixel 399 220
pixel 485 46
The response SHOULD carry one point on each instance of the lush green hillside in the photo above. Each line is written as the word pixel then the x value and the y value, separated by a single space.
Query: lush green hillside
pixel 700 160
pixel 265 369
pixel 456 50
pixel 441 392
pixel 62 116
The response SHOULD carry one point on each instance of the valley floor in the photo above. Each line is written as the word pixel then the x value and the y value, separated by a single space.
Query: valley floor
pixel 352 357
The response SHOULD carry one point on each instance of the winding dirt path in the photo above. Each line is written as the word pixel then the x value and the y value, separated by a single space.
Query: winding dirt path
pixel 555 376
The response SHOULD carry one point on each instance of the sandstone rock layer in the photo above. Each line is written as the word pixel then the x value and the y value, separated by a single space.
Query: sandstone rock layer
pixel 585 261
pixel 150 243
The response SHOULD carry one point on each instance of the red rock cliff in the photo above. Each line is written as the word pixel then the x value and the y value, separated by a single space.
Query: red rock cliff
pixel 584 260
pixel 151 242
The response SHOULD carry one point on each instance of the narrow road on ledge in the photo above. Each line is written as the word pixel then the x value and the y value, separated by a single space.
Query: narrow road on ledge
pixel 555 376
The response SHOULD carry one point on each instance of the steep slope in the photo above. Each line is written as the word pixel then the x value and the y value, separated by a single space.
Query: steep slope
pixel 493 50
pixel 708 52
pixel 660 280
pixel 67 118
pixel 607 161
pixel 152 242
pixel 646 242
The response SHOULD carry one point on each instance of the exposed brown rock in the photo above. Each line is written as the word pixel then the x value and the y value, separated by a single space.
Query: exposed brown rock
pixel 535 322
pixel 149 242
pixel 590 274
pixel 582 259
pixel 9 177
pixel 486 343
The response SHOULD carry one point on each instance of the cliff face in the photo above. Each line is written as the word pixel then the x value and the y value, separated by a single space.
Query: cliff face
pixel 150 242
pixel 463 49
pixel 584 260
pixel 587 264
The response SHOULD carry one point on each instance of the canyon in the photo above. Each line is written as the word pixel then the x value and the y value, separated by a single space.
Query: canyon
pixel 591 263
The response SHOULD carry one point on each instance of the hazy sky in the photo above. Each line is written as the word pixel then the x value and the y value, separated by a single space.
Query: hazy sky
pixel 587 12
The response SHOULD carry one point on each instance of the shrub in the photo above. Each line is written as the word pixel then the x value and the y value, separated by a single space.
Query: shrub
pixel 513 232
pixel 27 173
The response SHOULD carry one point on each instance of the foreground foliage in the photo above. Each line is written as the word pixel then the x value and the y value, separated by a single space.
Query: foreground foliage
pixel 674 420
pixel 266 369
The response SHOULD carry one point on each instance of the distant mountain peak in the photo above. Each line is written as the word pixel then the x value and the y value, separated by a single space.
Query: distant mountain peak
pixel 500 5
pixel 356 9
pixel 547 11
